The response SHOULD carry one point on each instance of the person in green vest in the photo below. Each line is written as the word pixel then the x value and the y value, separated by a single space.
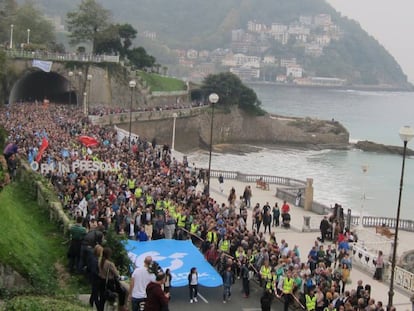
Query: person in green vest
pixel 330 307
pixel 159 208
pixel 265 273
pixel 212 236
pixel 138 192
pixel 287 287
pixel 131 184
pixel 310 300
pixel 224 244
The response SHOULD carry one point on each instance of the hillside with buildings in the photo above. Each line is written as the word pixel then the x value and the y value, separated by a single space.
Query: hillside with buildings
pixel 294 42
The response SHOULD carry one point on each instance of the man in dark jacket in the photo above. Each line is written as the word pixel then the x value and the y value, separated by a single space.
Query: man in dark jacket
pixel 324 227
pixel 157 300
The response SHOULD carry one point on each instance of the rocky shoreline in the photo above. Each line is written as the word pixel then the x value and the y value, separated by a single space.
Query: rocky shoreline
pixel 370 146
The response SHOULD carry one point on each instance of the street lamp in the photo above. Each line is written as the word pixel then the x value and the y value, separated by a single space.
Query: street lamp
pixel 28 36
pixel 80 74
pixel 364 170
pixel 132 85
pixel 88 81
pixel 213 99
pixel 11 36
pixel 70 74
pixel 406 133
pixel 173 133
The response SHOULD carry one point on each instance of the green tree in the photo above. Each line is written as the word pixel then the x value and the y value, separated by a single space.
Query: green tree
pixel 139 58
pixel 231 91
pixel 23 18
pixel 108 41
pixel 126 33
pixel 29 17
pixel 87 22
pixel 115 38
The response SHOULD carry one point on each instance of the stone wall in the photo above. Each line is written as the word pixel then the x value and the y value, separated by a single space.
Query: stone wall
pixel 236 127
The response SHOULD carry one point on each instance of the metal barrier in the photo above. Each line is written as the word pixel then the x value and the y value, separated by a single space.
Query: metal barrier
pixel 45 55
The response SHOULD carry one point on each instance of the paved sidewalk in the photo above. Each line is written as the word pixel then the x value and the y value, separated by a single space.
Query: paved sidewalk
pixel 305 240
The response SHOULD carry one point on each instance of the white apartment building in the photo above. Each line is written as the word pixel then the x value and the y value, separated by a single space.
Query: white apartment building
pixel 285 62
pixel 192 54
pixel 322 20
pixel 294 71
pixel 269 59
pixel 253 26
pixel 305 20
pixel 323 40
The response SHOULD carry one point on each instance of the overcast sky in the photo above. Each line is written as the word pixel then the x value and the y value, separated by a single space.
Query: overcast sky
pixel 390 22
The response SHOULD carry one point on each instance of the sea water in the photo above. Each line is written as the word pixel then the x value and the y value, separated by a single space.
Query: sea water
pixel 337 174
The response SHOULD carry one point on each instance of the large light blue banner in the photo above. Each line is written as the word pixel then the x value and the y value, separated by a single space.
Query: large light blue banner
pixel 178 256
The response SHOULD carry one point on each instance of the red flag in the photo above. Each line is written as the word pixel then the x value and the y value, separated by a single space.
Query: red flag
pixel 42 148
pixel 88 141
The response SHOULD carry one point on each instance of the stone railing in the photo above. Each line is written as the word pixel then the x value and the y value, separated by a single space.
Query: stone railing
pixel 404 279
pixel 74 57
pixel 277 180
pixel 118 118
pixel 172 93
pixel 364 259
pixel 374 221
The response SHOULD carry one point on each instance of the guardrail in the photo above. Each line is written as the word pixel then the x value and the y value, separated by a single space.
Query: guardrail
pixel 172 93
pixel 277 180
pixel 44 55
pixel 374 221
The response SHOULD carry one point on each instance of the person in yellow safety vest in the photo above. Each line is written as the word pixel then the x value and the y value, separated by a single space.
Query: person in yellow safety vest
pixel 181 220
pixel 310 300
pixel 212 237
pixel 149 199
pixel 120 178
pixel 159 207
pixel 271 282
pixel 194 228
pixel 131 184
pixel 265 272
pixel 224 244
pixel 138 192
pixel 330 307
pixel 287 286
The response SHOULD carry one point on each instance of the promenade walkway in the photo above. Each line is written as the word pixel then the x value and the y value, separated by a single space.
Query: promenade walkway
pixel 305 240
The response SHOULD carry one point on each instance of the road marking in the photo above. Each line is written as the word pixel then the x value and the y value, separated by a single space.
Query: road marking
pixel 202 298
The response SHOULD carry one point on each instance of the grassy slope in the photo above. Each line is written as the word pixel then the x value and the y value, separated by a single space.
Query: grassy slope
pixel 160 83
pixel 33 246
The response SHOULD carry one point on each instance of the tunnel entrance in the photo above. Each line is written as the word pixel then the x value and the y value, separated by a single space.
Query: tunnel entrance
pixel 39 85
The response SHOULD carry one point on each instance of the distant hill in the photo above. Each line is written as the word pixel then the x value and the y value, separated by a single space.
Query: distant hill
pixel 201 24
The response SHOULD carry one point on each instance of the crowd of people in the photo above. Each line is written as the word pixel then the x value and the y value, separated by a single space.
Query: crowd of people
pixel 154 196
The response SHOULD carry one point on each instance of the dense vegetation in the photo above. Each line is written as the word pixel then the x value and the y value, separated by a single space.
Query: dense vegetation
pixel 231 92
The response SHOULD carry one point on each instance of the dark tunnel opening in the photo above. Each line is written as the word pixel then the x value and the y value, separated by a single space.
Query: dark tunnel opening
pixel 39 85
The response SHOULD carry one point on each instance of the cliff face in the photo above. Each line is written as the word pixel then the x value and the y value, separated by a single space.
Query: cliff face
pixel 237 128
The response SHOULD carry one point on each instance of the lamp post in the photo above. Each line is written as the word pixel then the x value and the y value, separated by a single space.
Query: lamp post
pixel 88 92
pixel 80 74
pixel 213 99
pixel 28 36
pixel 11 36
pixel 364 170
pixel 173 133
pixel 406 133
pixel 70 74
pixel 132 85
